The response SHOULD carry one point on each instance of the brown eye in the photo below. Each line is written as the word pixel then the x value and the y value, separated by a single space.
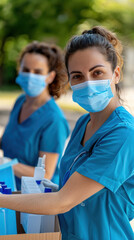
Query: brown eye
pixel 25 70
pixel 38 72
pixel 75 79
pixel 76 76
pixel 97 73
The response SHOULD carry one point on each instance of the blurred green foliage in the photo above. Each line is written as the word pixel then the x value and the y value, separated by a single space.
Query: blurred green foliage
pixel 22 21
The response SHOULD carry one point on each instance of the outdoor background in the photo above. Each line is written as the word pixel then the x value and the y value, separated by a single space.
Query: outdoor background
pixel 55 21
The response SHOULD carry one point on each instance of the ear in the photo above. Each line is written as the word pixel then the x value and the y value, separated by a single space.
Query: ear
pixel 117 73
pixel 51 77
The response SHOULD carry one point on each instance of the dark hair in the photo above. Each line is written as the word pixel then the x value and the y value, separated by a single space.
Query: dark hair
pixel 106 42
pixel 55 63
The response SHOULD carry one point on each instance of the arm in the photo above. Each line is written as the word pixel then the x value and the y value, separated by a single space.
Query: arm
pixel 50 163
pixel 26 170
pixel 21 169
pixel 77 189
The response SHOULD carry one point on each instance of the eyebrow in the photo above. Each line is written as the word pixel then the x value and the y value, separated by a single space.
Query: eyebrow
pixel 37 69
pixel 95 67
pixel 89 69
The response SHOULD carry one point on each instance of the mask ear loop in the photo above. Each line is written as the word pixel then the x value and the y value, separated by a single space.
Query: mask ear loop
pixel 70 84
pixel 112 78
pixel 45 77
pixel 114 75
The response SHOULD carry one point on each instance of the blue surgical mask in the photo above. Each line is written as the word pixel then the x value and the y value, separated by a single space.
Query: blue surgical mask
pixel 32 84
pixel 93 96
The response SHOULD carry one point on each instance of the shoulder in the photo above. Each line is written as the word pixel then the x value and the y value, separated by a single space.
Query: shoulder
pixel 124 120
pixel 54 111
pixel 120 119
pixel 119 129
pixel 55 116
pixel 18 101
pixel 21 97
pixel 124 116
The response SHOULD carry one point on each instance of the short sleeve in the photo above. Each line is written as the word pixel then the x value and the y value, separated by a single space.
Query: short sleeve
pixel 54 136
pixel 112 160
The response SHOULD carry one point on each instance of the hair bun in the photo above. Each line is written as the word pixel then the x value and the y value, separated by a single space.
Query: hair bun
pixel 91 31
pixel 111 37
pixel 54 49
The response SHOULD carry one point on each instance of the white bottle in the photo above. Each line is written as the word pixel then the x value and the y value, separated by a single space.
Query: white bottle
pixel 39 171
pixel 32 222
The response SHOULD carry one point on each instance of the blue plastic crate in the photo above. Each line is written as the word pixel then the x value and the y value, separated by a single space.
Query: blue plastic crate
pixel 7 174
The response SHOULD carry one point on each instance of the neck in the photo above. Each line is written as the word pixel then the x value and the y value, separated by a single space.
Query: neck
pixel 98 118
pixel 39 100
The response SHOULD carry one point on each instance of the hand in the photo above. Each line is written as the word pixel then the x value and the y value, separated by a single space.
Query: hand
pixel 50 184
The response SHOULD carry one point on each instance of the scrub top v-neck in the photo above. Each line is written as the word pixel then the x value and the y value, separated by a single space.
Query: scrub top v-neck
pixel 45 130
pixel 108 158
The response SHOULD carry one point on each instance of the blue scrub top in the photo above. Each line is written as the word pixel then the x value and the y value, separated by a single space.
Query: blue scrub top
pixel 108 158
pixel 45 130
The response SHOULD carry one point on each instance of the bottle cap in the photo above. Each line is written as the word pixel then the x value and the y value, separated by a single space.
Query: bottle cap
pixel 1 190
pixel 47 189
pixel 38 182
pixel 7 191
pixel 4 186
pixel 2 183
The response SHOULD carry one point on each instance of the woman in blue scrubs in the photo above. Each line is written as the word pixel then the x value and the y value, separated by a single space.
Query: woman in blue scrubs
pixel 37 125
pixel 96 196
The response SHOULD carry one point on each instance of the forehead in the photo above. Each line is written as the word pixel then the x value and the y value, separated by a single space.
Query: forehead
pixel 34 59
pixel 86 58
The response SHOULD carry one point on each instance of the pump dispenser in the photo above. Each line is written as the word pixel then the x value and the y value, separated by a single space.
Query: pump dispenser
pixel 39 171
